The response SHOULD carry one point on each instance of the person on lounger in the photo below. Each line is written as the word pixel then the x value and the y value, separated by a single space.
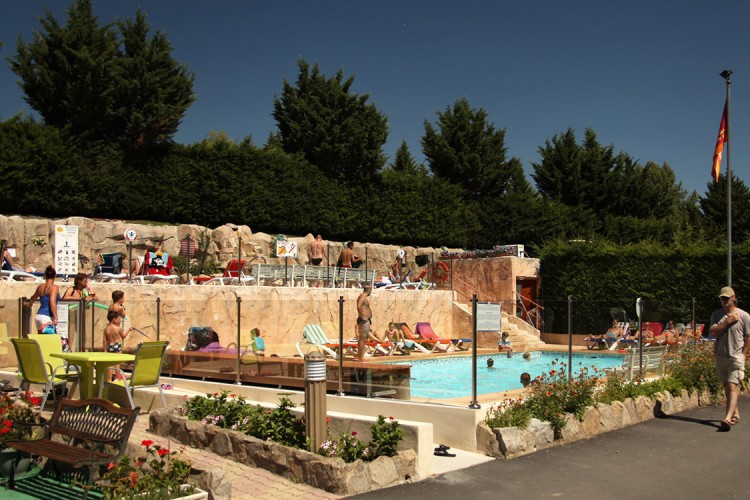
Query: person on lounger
pixel 671 336
pixel 649 338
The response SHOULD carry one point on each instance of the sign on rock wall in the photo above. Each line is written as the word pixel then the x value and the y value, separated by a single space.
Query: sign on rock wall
pixel 66 249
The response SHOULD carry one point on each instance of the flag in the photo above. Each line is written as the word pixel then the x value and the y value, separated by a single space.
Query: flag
pixel 719 149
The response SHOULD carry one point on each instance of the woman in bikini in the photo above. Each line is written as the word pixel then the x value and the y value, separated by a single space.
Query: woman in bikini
pixel 80 289
pixel 48 294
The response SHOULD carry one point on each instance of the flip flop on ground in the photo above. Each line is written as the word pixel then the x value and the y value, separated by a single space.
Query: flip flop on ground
pixel 441 452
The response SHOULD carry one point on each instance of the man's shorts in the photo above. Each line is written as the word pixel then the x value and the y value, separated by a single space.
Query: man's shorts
pixel 730 370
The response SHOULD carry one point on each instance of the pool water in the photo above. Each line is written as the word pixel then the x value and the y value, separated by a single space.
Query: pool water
pixel 445 378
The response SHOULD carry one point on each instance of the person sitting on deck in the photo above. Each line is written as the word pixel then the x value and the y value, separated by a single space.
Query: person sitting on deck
pixel 504 344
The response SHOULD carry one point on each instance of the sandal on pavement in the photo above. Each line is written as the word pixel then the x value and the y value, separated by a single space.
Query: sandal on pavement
pixel 735 420
pixel 443 453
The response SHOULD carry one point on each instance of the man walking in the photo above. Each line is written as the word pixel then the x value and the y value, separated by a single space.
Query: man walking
pixel 730 325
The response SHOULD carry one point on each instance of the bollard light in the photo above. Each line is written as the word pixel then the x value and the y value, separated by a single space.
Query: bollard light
pixel 315 398
pixel 315 367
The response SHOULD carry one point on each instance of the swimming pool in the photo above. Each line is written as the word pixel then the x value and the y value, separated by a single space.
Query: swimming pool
pixel 445 378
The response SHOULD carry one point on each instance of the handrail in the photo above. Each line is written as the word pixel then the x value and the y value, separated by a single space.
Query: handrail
pixel 539 308
pixel 471 287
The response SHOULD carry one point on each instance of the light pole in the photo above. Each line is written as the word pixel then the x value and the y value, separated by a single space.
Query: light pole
pixel 239 254
pixel 727 76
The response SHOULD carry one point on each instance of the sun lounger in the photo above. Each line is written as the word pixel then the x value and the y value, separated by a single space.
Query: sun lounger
pixel 313 337
pixel 412 340
pixel 155 278
pixel 425 331
pixel 109 268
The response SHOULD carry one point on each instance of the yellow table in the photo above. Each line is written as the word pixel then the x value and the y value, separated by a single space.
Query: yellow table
pixel 90 362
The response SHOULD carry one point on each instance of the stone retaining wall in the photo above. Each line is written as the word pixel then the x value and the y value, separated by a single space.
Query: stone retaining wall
pixel 330 474
pixel 510 442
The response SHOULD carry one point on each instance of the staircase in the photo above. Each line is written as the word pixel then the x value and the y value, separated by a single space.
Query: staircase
pixel 522 336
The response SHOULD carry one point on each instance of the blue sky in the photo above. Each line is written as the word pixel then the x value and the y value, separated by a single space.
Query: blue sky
pixel 644 75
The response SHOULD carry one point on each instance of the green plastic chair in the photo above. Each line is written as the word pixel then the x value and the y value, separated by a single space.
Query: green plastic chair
pixel 149 358
pixel 35 367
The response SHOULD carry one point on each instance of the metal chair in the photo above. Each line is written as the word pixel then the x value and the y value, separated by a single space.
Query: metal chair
pixel 149 358
pixel 35 369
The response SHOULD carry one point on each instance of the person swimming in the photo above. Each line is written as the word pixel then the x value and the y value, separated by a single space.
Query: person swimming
pixel 491 363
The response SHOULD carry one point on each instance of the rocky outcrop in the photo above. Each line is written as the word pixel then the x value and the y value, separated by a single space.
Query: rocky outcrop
pixel 33 240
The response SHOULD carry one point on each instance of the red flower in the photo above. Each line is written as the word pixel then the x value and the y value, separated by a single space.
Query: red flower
pixel 328 419
pixel 111 466
pixel 391 418
pixel 163 452
pixel 146 442
pixel 7 423
pixel 354 433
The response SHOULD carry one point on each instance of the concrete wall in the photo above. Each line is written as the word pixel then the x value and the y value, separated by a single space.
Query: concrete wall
pixel 280 312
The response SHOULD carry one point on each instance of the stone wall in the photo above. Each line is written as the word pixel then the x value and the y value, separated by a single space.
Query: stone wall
pixel 511 442
pixel 280 312
pixel 330 474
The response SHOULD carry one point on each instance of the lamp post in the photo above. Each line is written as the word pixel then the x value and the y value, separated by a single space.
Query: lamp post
pixel 239 254
pixel 727 76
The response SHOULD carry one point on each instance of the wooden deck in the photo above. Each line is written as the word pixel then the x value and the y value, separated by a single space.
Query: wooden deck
pixel 359 378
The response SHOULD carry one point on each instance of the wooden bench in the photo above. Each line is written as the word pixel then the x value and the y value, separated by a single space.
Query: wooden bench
pixel 87 433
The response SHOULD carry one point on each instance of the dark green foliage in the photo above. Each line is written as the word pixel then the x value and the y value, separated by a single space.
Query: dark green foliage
pixel 465 149
pixel 334 129
pixel 714 207
pixel 104 84
pixel 601 275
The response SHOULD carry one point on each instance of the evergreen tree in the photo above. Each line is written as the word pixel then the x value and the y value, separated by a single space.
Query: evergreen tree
pixel 152 91
pixel 714 207
pixel 67 72
pixel 78 76
pixel 404 161
pixel 463 148
pixel 335 129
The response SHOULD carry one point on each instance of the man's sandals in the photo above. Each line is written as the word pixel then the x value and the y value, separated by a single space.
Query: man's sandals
pixel 442 451
pixel 726 425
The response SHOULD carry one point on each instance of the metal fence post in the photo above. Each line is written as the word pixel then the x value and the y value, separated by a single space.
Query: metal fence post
pixel 570 337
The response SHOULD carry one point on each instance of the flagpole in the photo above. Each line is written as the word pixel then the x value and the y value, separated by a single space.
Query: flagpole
pixel 726 75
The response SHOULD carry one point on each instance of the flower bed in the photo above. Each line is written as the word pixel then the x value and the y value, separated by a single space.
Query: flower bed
pixel 510 442
pixel 560 409
pixel 331 474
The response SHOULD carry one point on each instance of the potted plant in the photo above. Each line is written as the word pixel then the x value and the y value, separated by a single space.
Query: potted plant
pixel 157 474
pixel 18 421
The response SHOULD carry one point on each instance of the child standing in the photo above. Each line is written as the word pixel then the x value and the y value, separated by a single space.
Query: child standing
pixel 114 335
pixel 118 303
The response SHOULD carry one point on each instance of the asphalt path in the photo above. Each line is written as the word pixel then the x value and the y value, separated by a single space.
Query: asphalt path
pixel 681 456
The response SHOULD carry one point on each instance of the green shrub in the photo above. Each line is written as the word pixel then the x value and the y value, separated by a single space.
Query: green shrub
pixel 553 395
pixel 509 413
pixel 386 436
pixel 695 369
pixel 232 412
